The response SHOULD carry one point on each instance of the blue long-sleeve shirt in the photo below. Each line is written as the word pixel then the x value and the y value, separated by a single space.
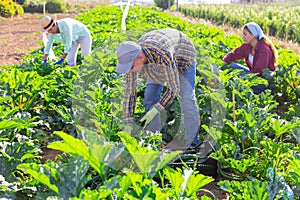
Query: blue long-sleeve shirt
pixel 70 30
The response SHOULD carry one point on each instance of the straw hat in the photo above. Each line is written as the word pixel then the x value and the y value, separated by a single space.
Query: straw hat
pixel 46 23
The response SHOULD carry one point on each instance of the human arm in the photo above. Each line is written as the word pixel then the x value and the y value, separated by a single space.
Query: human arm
pixel 261 63
pixel 162 68
pixel 130 97
pixel 239 53
pixel 45 61
pixel 45 58
pixel 48 45
pixel 171 75
pixel 63 57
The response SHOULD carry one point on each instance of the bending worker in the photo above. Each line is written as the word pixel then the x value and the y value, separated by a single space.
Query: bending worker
pixel 71 33
pixel 164 56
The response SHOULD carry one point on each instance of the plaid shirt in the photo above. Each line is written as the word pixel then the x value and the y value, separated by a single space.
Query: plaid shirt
pixel 168 52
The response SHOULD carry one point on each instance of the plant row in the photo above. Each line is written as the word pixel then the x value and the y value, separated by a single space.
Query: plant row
pixel 79 111
pixel 276 19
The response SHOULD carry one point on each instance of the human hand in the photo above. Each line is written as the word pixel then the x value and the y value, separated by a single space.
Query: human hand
pixel 224 66
pixel 149 116
pixel 59 62
pixel 128 129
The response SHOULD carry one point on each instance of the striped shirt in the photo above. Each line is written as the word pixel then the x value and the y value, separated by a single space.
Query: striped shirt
pixel 168 52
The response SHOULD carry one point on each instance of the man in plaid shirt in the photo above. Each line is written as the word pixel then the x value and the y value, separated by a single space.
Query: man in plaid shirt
pixel 164 56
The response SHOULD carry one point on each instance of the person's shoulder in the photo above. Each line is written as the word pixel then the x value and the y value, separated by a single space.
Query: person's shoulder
pixel 66 19
pixel 244 47
pixel 263 46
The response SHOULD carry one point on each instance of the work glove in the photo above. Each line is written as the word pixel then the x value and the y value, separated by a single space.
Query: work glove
pixel 45 62
pixel 149 116
pixel 128 129
pixel 59 62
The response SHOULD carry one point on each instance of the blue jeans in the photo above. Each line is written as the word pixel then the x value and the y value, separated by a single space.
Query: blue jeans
pixel 188 103
pixel 239 66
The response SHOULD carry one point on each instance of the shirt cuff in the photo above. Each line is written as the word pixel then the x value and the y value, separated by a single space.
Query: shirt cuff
pixel 128 121
pixel 159 106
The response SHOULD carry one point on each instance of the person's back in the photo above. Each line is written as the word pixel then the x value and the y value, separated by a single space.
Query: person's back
pixel 172 41
pixel 76 27
pixel 266 53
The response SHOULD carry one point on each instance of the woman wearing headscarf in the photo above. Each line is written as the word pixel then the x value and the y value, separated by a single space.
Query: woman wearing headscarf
pixel 71 33
pixel 258 51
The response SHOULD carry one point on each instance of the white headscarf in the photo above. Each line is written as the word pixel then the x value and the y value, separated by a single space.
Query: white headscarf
pixel 255 30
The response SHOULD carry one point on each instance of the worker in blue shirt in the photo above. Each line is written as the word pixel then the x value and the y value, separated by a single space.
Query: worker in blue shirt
pixel 71 33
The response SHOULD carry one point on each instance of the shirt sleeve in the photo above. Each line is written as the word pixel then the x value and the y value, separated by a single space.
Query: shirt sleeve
pixel 130 97
pixel 49 44
pixel 67 31
pixel 239 53
pixel 172 81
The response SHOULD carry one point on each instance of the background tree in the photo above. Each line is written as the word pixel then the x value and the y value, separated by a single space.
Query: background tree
pixel 164 4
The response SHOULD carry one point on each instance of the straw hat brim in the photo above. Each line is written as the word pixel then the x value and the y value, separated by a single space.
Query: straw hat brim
pixel 50 25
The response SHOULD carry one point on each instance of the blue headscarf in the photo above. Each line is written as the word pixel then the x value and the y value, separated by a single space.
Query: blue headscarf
pixel 255 30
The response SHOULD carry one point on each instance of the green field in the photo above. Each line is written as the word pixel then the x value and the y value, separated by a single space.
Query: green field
pixel 280 20
pixel 79 111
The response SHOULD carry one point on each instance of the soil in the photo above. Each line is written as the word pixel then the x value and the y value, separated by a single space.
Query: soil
pixel 50 154
pixel 20 35
pixel 214 189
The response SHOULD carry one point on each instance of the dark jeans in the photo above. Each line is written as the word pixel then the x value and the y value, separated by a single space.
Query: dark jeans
pixel 257 89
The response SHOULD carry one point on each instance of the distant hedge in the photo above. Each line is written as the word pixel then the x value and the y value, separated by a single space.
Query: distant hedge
pixel 9 8
pixel 21 2
pixel 164 4
pixel 37 6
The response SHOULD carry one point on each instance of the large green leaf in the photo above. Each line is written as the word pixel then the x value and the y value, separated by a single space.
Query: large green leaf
pixel 13 154
pixel 8 124
pixel 148 161
pixel 95 154
pixel 195 182
pixel 67 180
pixel 38 172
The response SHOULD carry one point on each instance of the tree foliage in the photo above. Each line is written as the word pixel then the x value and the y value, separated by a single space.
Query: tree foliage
pixel 9 8
pixel 164 4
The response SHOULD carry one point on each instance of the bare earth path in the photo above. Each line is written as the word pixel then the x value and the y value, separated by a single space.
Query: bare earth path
pixel 20 35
